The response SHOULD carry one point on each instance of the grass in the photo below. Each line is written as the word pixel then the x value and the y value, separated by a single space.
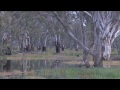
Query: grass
pixel 71 73
pixel 49 55
pixel 72 53
pixel 80 73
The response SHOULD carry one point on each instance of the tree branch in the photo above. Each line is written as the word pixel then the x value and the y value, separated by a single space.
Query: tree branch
pixel 88 13
pixel 115 36
pixel 71 34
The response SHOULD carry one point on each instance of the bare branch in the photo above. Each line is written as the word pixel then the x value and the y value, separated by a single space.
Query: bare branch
pixel 88 13
pixel 71 34
pixel 115 35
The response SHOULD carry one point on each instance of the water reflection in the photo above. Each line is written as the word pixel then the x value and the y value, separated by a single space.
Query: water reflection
pixel 27 65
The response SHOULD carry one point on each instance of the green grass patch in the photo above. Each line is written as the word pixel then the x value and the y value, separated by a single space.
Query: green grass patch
pixel 80 73
pixel 71 73
pixel 71 52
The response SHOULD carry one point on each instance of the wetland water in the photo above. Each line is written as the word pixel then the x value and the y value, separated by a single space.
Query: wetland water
pixel 9 66
pixel 28 65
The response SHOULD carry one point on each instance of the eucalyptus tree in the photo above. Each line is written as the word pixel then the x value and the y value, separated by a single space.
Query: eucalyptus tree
pixel 5 32
pixel 106 29
pixel 53 27
pixel 25 29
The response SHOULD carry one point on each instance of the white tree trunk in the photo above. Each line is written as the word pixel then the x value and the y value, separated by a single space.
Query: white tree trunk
pixel 106 30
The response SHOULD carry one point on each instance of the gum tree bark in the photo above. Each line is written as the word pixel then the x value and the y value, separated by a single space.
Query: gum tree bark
pixel 44 48
pixel 106 25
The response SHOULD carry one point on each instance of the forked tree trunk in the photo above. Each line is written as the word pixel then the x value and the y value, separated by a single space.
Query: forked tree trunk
pixel 57 47
pixel 44 48
pixel 25 43
pixel 57 43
